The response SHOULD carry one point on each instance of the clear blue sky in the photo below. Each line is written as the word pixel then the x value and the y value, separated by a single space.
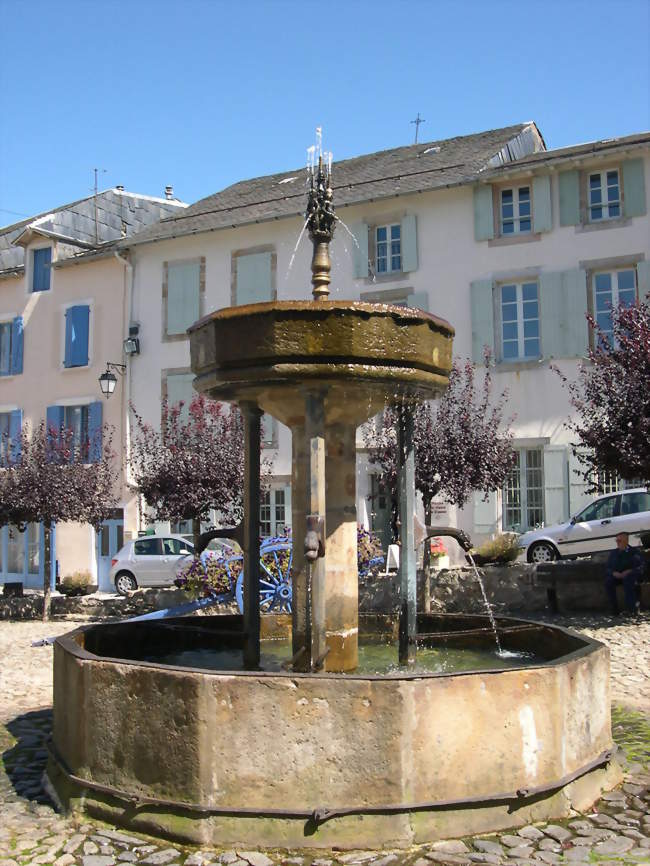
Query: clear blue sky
pixel 202 94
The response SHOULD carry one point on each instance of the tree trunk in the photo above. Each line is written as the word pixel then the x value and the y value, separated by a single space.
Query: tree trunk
pixel 47 591
pixel 196 532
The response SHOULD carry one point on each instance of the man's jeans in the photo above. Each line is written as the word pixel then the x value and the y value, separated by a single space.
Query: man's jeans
pixel 629 590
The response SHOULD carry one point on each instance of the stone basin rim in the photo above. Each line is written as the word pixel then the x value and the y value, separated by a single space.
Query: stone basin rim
pixel 321 308
pixel 590 645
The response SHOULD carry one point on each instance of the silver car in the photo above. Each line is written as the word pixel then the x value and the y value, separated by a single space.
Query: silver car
pixel 593 529
pixel 148 561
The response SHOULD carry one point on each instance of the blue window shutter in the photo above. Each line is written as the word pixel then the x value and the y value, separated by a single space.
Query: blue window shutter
pixel 17 345
pixel 569 183
pixel 409 243
pixel 360 253
pixel 482 318
pixel 254 278
pixel 54 418
pixel 15 429
pixel 542 221
pixel 633 188
pixel 41 261
pixel 563 305
pixel 483 213
pixel 183 284
pixel 643 279
pixel 95 432
pixel 76 336
pixel 419 300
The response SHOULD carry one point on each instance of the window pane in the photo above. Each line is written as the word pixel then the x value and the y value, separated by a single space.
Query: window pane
pixel 626 280
pixel 147 547
pixel 33 548
pixel 603 301
pixel 506 196
pixel 396 263
pixel 510 331
pixel 524 225
pixel 395 248
pixel 596 213
pixel 524 209
pixel 530 310
pixel 531 329
pixel 510 351
pixel 508 294
pixel 594 180
pixel 508 228
pixel 395 232
pixel 595 196
pixel 614 210
pixel 381 233
pixel 509 312
pixel 5 347
pixel 604 322
pixel 627 298
pixel 507 211
pixel 16 551
pixel 603 281
pixel 524 195
pixel 531 348
pixel 529 291
pixel 612 193
pixel 612 177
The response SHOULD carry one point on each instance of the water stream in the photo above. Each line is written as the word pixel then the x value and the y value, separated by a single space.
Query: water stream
pixel 356 242
pixel 488 606
pixel 295 250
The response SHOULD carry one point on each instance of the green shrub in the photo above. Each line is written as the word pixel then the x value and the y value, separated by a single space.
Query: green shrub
pixel 498 550
pixel 77 579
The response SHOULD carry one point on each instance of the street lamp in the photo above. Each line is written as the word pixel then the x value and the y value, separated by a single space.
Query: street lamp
pixel 108 379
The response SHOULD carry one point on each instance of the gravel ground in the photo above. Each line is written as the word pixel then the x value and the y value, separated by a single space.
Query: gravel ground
pixel 616 831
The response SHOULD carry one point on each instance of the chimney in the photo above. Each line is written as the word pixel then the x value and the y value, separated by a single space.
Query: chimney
pixel 169 192
pixel 119 187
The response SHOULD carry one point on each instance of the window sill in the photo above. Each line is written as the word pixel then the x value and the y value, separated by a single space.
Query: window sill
pixel 65 369
pixel 394 277
pixel 617 223
pixel 9 375
pixel 516 366
pixel 174 338
pixel 511 240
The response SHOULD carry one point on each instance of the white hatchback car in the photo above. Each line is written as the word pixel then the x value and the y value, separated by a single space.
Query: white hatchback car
pixel 593 529
pixel 148 561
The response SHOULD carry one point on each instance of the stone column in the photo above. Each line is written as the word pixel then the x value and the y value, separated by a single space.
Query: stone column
pixel 407 565
pixel 252 416
pixel 342 578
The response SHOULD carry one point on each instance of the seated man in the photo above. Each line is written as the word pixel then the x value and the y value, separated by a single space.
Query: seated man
pixel 625 565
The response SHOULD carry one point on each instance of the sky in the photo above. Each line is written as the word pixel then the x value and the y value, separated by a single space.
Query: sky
pixel 202 94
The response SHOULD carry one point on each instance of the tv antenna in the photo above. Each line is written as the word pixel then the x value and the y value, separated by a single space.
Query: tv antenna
pixel 418 120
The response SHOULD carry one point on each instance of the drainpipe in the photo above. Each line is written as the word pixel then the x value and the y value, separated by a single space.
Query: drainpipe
pixel 127 309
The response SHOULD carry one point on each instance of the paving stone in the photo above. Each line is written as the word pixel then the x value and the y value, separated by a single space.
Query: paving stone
pixel 72 844
pixel 510 841
pixel 521 851
pixel 322 862
pixel 549 844
pixel 580 855
pixel 445 859
pixel 560 834
pixel 617 845
pixel 97 860
pixel 355 857
pixel 384 861
pixel 255 858
pixel 530 832
pixel 631 833
pixel 91 847
pixel 547 856
pixel 581 825
pixel 484 858
pixel 161 858
pixel 200 858
pixel 64 860
pixel 450 846
pixel 228 857
pixel 604 820
pixel 127 857
pixel 146 849
pixel 487 846
pixel 644 843
pixel 116 836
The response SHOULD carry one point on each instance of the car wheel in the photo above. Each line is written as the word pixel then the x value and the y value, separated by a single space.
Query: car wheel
pixel 125 583
pixel 543 551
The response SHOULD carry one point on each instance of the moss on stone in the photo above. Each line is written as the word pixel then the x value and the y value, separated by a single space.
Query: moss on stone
pixel 631 732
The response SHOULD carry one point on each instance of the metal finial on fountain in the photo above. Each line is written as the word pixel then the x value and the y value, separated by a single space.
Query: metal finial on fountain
pixel 321 221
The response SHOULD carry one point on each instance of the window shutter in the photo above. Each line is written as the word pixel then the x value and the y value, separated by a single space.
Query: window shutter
pixel 54 419
pixel 409 243
pixel 563 306
pixel 179 389
pixel 267 428
pixel 643 279
pixel 633 188
pixel 360 232
pixel 17 345
pixel 254 283
pixel 76 336
pixel 95 432
pixel 41 261
pixel 419 300
pixel 485 513
pixel 483 213
pixel 556 493
pixel 542 220
pixel 578 495
pixel 183 296
pixel 15 429
pixel 569 182
pixel 482 318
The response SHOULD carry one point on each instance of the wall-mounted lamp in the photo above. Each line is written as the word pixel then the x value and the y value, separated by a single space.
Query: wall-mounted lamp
pixel 108 379
pixel 132 342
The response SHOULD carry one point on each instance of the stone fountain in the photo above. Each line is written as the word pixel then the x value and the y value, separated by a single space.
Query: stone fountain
pixel 319 753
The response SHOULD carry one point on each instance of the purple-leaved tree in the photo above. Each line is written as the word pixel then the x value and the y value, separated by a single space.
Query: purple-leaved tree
pixel 611 398
pixel 49 477
pixel 192 465
pixel 463 443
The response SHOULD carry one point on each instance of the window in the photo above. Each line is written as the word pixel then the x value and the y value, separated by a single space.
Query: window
pixel 273 511
pixel 254 275
pixel 75 418
pixel 523 494
pixel 175 547
pixel 177 388
pixel 11 347
pixel 5 435
pixel 76 336
pixel 602 509
pixel 183 283
pixel 147 547
pixel 41 261
pixel 519 321
pixel 611 288
pixel 515 210
pixel 604 195
pixel 388 248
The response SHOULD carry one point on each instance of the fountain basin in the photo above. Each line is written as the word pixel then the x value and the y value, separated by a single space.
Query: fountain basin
pixel 361 354
pixel 320 760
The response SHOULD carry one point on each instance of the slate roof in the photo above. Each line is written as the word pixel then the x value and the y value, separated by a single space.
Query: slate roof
pixel 385 174
pixel 118 212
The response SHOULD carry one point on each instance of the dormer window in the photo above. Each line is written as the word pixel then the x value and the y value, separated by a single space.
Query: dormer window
pixel 515 210
pixel 604 195
pixel 41 261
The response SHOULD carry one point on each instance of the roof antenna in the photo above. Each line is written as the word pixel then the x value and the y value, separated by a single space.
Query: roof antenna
pixel 103 171
pixel 418 120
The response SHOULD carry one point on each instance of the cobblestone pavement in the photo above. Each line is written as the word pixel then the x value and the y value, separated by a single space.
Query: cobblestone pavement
pixel 616 831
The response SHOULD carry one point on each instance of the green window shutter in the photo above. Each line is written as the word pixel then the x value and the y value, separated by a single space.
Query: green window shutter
pixel 419 300
pixel 542 221
pixel 569 182
pixel 409 244
pixel 633 188
pixel 254 278
pixel 563 307
pixel 578 488
pixel 643 279
pixel 485 513
pixel 482 318
pixel 483 213
pixel 556 493
pixel 182 296
pixel 179 389
pixel 360 252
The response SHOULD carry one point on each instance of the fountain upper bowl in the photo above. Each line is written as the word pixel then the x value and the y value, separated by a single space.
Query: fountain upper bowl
pixel 360 355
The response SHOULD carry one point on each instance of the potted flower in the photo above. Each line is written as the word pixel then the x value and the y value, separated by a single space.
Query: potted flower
pixel 438 554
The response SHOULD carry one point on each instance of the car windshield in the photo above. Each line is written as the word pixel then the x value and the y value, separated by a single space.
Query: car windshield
pixel 599 510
